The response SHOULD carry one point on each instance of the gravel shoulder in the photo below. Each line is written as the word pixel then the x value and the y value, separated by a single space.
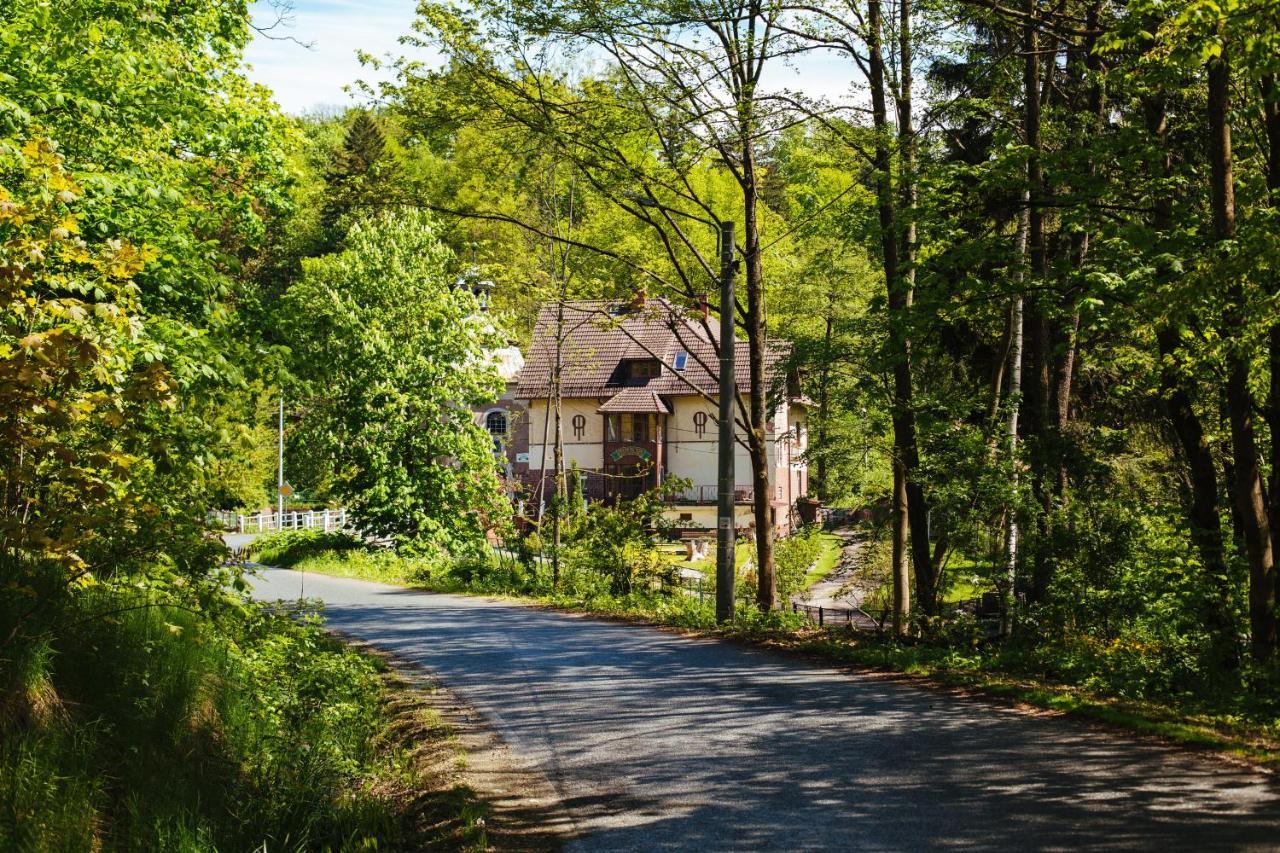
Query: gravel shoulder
pixel 653 741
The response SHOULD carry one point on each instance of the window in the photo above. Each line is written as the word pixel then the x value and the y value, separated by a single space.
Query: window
pixel 682 360
pixel 634 429
pixel 644 369
pixel 496 424
pixel 700 423
pixel 579 426
pixel 639 431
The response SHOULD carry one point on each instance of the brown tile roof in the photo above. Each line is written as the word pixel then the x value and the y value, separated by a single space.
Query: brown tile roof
pixel 602 336
pixel 635 400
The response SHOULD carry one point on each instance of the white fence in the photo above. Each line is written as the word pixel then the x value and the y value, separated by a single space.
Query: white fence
pixel 270 522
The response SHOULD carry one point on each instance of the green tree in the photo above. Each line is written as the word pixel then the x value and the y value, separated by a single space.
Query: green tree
pixel 392 358
pixel 358 177
pixel 139 172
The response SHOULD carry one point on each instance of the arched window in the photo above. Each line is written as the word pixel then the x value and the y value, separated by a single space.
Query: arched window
pixel 700 423
pixel 579 426
pixel 496 423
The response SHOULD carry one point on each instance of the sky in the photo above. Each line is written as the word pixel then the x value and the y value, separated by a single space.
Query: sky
pixel 310 78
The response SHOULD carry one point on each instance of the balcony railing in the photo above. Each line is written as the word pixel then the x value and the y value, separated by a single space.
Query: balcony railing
pixel 709 495
pixel 594 487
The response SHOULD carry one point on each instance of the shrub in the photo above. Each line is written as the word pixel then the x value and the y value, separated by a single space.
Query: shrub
pixel 792 559
pixel 289 547
pixel 616 542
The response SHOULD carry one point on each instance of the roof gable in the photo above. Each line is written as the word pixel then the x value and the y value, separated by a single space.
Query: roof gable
pixel 600 337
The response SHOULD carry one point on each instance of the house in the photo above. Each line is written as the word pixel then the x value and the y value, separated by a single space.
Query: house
pixel 506 420
pixel 638 388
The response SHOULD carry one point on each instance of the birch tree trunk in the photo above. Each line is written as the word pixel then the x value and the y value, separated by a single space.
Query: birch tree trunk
pixel 1011 424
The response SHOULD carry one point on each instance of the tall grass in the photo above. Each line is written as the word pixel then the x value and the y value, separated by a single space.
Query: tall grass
pixel 129 726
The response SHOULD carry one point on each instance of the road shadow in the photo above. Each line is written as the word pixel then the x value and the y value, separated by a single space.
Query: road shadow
pixel 658 742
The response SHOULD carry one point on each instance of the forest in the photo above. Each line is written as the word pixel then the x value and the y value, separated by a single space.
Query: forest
pixel 1027 256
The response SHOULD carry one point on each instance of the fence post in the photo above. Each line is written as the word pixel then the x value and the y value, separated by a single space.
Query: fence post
pixel 820 617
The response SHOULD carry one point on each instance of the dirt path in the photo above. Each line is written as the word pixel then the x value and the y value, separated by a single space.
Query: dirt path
pixel 841 588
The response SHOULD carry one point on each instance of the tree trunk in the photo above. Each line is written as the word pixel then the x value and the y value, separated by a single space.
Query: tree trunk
pixel 1202 506
pixel 917 507
pixel 1011 425
pixel 899 346
pixel 757 337
pixel 1271 120
pixel 824 400
pixel 1249 498
pixel 558 499
pixel 1040 399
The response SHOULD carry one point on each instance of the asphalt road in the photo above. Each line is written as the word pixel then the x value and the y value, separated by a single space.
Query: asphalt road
pixel 659 742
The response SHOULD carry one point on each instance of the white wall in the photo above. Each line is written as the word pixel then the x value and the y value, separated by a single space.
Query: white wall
pixel 688 455
pixel 587 452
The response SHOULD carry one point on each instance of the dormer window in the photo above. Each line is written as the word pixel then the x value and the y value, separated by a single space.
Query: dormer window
pixel 645 368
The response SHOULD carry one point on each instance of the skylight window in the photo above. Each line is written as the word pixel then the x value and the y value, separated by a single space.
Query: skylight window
pixel 682 360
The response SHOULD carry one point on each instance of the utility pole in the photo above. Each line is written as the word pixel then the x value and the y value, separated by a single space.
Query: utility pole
pixel 280 470
pixel 725 575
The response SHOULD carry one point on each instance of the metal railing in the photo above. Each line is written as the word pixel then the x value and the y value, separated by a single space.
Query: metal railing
pixel 850 618
pixel 270 522
pixel 709 495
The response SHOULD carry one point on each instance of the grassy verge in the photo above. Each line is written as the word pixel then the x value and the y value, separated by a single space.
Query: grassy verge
pixel 1241 721
pixel 832 546
pixel 126 724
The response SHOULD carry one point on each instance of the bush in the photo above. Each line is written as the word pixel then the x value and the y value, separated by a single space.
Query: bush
pixel 287 548
pixel 141 726
pixel 616 543
pixel 792 559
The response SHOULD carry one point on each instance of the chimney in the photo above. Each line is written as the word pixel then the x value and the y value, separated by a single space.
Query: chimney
pixel 703 306
pixel 639 301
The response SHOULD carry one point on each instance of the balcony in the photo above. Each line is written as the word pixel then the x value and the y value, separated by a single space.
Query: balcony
pixel 595 487
pixel 706 495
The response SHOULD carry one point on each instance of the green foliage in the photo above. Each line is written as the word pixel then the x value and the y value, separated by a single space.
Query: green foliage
pixel 615 542
pixel 138 174
pixel 794 557
pixel 287 547
pixel 358 177
pixel 149 727
pixel 393 358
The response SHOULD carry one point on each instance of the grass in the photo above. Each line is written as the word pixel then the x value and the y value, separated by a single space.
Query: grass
pixel 1223 721
pixel 832 546
pixel 126 725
